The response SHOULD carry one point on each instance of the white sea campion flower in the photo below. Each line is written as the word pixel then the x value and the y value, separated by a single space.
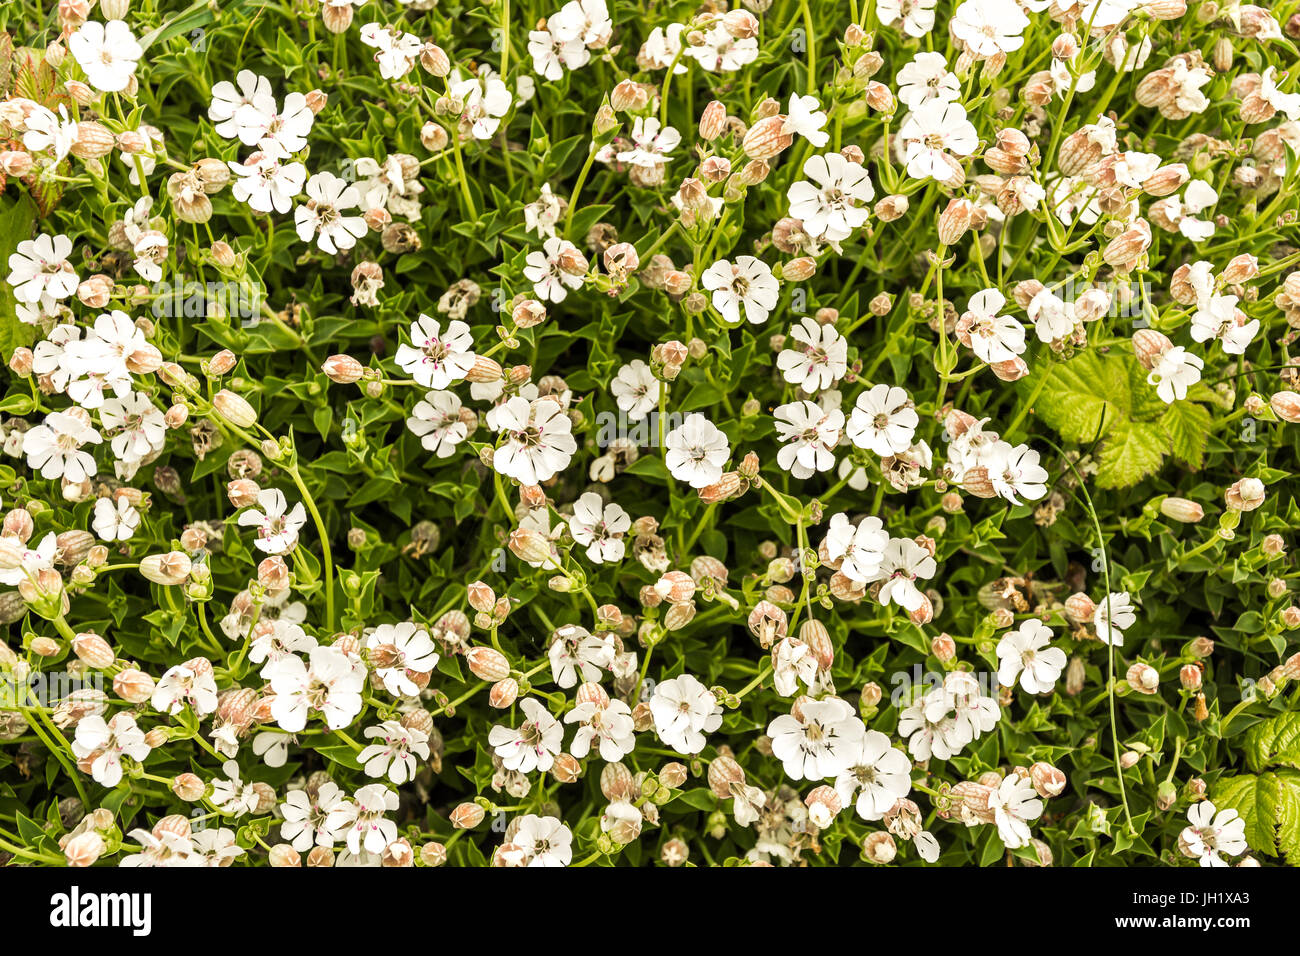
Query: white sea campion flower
pixel 106 742
pixel 877 773
pixel 916 16
pixel 115 521
pixel 277 524
pixel 684 711
pixel 605 722
pixel 901 563
pixel 883 420
pixel 575 652
pixel 277 639
pixel 1026 652
pixel 747 283
pixel 397 651
pixel 1015 473
pixel 329 683
pixel 1174 372
pixel 395 51
pixel 1053 317
pixel 532 745
pixel 232 795
pixel 830 205
pixel 107 53
pixel 48 130
pixel 635 389
pixel 819 356
pixel 1211 835
pixel 793 662
pixel 306 816
pixel 486 98
pixel 54 447
pixel 931 726
pixel 993 337
pixel 436 357
pixel 859 548
pixel 806 118
pixel 719 52
pixel 810 435
pixel 696 451
pixel 363 820
pixel 32 560
pixel 1014 803
pixel 817 738
pixel 926 77
pixel 393 753
pixel 1114 615
pixel 652 142
pixel 663 48
pixel 321 216
pixel 553 55
pixel 930 133
pixel 545 841
pixel 228 98
pixel 437 423
pixel 186 685
pixel 135 425
pixel 537 442
pixel 1218 317
pixel 599 528
pixel 544 269
pixel 266 183
pixel 40 272
pixel 261 122
pixel 988 27
pixel 542 214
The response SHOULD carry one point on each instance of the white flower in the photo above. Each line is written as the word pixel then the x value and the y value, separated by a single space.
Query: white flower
pixel 1015 473
pixel 539 442
pixel 932 131
pixel 684 710
pixel 1053 317
pixel 1013 804
pixel 576 651
pixel 749 283
pixel 545 840
pixel 652 142
pixel 397 651
pixel 280 639
pixel 902 562
pixel 606 722
pixel 810 435
pixel 306 815
pixel 993 337
pixel 192 684
pixel 228 98
pixel 635 389
pixel 878 773
pixel 531 746
pixel 927 77
pixel 1026 652
pixel 541 215
pixel 818 739
pixel 436 358
pixel 932 728
pixel 322 215
pixel 551 283
pixel 261 122
pixel 265 183
pixel 277 532
pixel 988 27
pixel 40 272
pixel 393 755
pixel 806 118
pixel 829 205
pixel 233 796
pixel 107 53
pixel 883 421
pixel 396 51
pixel 436 421
pixel 1174 372
pixel 1114 615
pixel 136 426
pixel 331 685
pixel 819 361
pixel 695 451
pixel 49 130
pixel 106 743
pixel 115 522
pixel 54 446
pixel 720 52
pixel 552 55
pixel 587 21
pixel 1219 318
pixel 215 847
pixel 486 100
pixel 363 819
pixel 917 15
pixel 662 49
pixel 599 528
pixel 1211 835
pixel 793 662
pixel 859 548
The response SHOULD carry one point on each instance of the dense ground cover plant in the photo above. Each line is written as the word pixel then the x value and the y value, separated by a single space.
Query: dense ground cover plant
pixel 518 433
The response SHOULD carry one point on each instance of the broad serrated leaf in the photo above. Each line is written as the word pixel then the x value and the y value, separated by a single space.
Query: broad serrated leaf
pixel 1188 427
pixel 1086 397
pixel 1256 799
pixel 1274 743
pixel 1131 452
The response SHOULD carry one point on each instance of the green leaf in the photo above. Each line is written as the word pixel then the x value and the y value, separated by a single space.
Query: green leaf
pixel 1132 451
pixel 15 225
pixel 1255 798
pixel 1086 396
pixel 1274 743
pixel 1188 427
